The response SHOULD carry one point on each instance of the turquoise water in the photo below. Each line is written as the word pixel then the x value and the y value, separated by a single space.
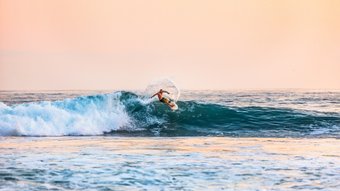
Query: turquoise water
pixel 210 113
pixel 217 140
pixel 160 163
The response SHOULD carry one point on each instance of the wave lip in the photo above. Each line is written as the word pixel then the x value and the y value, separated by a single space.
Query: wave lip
pixel 125 113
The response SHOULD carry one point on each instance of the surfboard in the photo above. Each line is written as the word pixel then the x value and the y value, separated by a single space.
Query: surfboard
pixel 173 106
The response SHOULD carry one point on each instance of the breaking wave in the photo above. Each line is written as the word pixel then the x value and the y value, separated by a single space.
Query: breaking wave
pixel 128 114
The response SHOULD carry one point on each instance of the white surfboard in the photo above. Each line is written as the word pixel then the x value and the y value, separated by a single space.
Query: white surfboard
pixel 173 106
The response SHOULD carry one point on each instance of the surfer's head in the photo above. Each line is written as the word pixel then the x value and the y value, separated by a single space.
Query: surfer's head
pixel 161 90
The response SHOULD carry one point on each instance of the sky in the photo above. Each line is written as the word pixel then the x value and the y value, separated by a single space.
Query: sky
pixel 199 44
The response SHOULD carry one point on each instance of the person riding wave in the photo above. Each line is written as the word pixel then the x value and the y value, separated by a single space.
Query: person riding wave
pixel 161 98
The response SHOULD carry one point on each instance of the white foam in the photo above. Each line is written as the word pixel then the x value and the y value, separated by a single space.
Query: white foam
pixel 79 116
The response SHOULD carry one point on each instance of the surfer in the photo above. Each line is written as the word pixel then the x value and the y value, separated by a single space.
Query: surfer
pixel 171 103
pixel 160 96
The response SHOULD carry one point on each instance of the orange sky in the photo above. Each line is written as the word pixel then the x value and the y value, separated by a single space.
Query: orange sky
pixel 226 44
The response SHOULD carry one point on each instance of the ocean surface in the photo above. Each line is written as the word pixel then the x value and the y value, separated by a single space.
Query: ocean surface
pixel 217 140
pixel 201 113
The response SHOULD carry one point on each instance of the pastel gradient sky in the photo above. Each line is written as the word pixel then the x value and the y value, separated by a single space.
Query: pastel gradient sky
pixel 200 44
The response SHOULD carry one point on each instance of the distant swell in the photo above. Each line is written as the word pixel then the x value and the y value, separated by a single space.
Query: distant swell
pixel 125 113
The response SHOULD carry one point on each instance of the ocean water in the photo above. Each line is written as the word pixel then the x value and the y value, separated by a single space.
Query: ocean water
pixel 201 113
pixel 217 140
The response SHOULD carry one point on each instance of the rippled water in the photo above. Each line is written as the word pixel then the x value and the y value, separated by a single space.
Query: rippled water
pixel 187 163
pixel 217 140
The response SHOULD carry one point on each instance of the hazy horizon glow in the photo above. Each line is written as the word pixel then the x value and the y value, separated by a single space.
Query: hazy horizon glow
pixel 250 44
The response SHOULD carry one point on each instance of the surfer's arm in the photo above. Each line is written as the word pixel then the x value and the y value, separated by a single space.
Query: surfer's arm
pixel 154 95
pixel 166 92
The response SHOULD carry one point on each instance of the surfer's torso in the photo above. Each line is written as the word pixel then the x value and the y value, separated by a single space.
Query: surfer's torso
pixel 160 95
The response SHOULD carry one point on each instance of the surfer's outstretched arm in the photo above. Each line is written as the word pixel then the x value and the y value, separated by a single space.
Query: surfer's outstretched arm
pixel 154 95
pixel 166 92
